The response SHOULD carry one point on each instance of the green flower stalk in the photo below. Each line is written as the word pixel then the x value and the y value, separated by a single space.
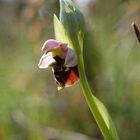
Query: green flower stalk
pixel 65 56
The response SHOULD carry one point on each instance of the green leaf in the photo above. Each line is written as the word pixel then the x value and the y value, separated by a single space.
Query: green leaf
pixel 107 120
pixel 60 32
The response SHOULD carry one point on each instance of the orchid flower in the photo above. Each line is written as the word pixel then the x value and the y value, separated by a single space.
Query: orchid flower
pixel 63 61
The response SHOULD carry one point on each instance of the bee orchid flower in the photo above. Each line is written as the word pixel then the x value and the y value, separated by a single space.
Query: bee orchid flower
pixel 62 60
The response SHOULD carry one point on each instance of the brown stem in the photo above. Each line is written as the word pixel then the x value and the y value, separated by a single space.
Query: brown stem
pixel 137 31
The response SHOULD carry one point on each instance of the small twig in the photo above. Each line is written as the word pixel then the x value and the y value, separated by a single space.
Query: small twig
pixel 137 31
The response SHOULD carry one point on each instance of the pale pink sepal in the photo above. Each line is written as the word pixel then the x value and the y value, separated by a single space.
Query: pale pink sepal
pixel 51 44
pixel 46 60
pixel 70 59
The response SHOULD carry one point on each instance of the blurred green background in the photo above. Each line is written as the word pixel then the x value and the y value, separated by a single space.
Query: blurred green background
pixel 30 106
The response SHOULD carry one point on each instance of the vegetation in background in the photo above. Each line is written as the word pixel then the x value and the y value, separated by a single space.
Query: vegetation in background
pixel 29 103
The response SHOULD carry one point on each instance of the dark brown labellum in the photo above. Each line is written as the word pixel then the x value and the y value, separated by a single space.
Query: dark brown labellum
pixel 64 75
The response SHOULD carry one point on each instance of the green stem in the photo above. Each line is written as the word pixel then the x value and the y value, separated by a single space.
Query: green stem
pixel 91 100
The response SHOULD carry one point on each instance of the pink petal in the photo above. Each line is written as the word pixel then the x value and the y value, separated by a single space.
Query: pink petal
pixel 50 44
pixel 70 59
pixel 64 46
pixel 46 60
